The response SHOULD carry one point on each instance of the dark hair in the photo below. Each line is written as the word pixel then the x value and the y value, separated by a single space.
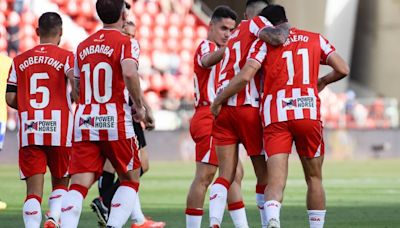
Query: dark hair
pixel 109 11
pixel 252 2
pixel 50 24
pixel 223 12
pixel 275 14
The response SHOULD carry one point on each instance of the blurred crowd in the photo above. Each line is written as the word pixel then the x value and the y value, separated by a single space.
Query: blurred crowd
pixel 168 32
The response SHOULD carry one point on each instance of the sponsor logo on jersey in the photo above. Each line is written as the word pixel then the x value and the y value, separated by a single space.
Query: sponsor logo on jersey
pixel 315 219
pixel 116 205
pixel 43 126
pixel 97 122
pixel 299 102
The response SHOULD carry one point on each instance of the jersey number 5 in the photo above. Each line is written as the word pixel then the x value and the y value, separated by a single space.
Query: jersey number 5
pixel 290 67
pixel 95 83
pixel 34 89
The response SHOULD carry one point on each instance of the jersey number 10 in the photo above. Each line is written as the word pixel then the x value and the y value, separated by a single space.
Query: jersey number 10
pixel 95 83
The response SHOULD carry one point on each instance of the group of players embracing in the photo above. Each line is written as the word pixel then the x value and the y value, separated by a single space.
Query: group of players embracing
pixel 257 84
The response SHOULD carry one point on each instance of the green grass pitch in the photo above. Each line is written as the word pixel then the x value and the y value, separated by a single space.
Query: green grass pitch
pixel 359 194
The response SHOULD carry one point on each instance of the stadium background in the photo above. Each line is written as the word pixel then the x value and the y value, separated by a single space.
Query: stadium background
pixel 361 113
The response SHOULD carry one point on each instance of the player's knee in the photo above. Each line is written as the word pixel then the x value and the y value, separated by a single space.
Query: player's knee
pixel 205 180
pixel 314 181
pixel 239 175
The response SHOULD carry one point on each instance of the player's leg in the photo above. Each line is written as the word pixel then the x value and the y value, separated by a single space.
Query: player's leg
pixel 32 163
pixel 58 162
pixel 260 170
pixel 277 175
pixel 227 160
pixel 310 146
pixel 106 180
pixel 195 200
pixel 86 166
pixel 235 200
pixel 252 140
pixel 124 156
pixel 226 139
pixel 137 216
pixel 278 142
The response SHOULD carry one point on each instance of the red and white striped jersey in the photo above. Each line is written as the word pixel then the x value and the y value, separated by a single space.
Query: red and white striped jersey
pixel 235 58
pixel 44 104
pixel 205 79
pixel 103 112
pixel 291 76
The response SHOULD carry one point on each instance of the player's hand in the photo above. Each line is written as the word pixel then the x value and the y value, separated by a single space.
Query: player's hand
pixel 321 85
pixel 149 121
pixel 139 114
pixel 215 109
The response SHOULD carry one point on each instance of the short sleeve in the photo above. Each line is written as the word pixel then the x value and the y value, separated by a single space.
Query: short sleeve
pixel 206 47
pixel 77 73
pixel 326 49
pixel 69 63
pixel 257 24
pixel 130 50
pixel 12 75
pixel 258 51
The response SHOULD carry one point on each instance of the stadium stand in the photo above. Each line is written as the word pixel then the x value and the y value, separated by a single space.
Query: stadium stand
pixel 168 32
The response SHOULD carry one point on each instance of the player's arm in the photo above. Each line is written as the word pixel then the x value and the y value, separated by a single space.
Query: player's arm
pixel 149 121
pixel 275 35
pixel 11 90
pixel 11 97
pixel 340 70
pixel 74 91
pixel 238 83
pixel 132 82
pixel 213 58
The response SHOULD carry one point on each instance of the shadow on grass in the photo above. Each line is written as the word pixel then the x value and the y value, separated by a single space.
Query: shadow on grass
pixel 368 216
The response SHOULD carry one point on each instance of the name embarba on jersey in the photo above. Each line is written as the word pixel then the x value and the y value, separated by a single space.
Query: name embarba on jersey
pixel 44 104
pixel 103 112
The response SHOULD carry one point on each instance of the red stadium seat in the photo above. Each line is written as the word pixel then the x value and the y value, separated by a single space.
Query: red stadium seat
pixel 202 32
pixel 146 19
pixel 173 31
pixel 188 32
pixel 152 8
pixel 190 20
pixel 161 20
pixel 159 32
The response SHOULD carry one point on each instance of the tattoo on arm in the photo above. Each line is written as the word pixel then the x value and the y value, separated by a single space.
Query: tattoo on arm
pixel 275 35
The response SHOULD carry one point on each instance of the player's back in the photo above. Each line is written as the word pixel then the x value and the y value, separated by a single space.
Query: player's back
pixel 43 98
pixel 291 76
pixel 237 50
pixel 103 112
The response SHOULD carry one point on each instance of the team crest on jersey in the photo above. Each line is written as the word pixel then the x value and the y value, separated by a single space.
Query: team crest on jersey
pixel 41 126
pixel 299 102
pixel 97 122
